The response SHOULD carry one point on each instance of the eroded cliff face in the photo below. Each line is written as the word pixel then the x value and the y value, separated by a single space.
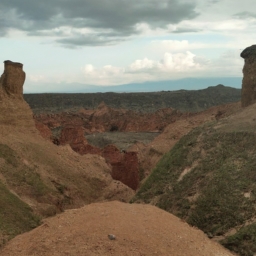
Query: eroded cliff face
pixel 249 79
pixel 14 111
pixel 124 165
pixel 72 126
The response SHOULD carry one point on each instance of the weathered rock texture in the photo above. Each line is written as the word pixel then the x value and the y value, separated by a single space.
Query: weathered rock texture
pixel 46 177
pixel 14 110
pixel 69 128
pixel 249 79
pixel 105 119
pixel 125 165
pixel 13 78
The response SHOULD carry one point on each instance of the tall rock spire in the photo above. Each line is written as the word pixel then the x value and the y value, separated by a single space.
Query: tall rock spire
pixel 13 78
pixel 249 79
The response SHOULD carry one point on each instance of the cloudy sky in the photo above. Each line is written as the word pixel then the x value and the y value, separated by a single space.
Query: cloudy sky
pixel 113 42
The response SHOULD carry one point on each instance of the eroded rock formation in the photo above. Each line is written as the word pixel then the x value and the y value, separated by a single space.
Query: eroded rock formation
pixel 249 79
pixel 13 78
pixel 125 165
pixel 104 119
pixel 71 128
pixel 14 111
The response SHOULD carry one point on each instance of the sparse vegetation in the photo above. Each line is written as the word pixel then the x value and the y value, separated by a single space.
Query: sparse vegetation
pixel 8 155
pixel 243 242
pixel 218 191
pixel 187 101
pixel 18 174
pixel 16 217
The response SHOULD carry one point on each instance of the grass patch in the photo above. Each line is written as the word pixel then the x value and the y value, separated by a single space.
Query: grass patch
pixel 211 196
pixel 243 242
pixel 8 155
pixel 168 169
pixel 26 179
pixel 16 217
pixel 19 176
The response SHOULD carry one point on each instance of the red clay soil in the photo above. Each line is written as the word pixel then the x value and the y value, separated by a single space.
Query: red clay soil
pixel 139 230
pixel 124 165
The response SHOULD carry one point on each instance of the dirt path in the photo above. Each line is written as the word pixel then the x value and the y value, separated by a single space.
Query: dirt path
pixel 139 230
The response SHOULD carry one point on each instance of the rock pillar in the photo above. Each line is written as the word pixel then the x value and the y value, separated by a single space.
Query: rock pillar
pixel 13 78
pixel 249 79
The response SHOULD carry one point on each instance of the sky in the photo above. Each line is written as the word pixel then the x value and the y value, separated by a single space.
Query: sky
pixel 74 44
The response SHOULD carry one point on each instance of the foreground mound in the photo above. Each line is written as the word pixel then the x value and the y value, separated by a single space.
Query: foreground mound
pixel 137 229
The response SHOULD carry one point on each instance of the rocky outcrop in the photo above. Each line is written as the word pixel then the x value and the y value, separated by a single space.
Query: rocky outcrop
pixel 13 78
pixel 73 125
pixel 125 165
pixel 74 136
pixel 44 130
pixel 249 79
pixel 15 112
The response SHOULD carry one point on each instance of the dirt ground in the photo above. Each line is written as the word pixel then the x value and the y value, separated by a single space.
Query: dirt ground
pixel 122 140
pixel 138 230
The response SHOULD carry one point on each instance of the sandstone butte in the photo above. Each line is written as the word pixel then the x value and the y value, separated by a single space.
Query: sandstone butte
pixel 139 229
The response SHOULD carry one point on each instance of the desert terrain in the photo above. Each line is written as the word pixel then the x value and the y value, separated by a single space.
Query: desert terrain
pixel 65 187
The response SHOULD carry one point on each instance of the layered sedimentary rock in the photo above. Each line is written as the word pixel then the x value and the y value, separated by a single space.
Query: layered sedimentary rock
pixel 249 79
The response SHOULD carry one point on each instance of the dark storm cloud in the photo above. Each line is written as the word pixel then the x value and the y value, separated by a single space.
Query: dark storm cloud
pixel 87 40
pixel 244 15
pixel 119 16
pixel 186 30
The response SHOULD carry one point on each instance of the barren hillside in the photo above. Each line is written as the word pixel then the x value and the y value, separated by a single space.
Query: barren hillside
pixel 136 229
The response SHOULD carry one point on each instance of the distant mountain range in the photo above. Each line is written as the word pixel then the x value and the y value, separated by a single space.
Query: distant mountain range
pixel 170 85
pixel 183 100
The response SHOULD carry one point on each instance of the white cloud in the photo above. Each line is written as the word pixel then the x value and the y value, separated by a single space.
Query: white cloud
pixel 169 67
pixel 178 62
pixel 36 78
pixel 144 64
pixel 89 69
